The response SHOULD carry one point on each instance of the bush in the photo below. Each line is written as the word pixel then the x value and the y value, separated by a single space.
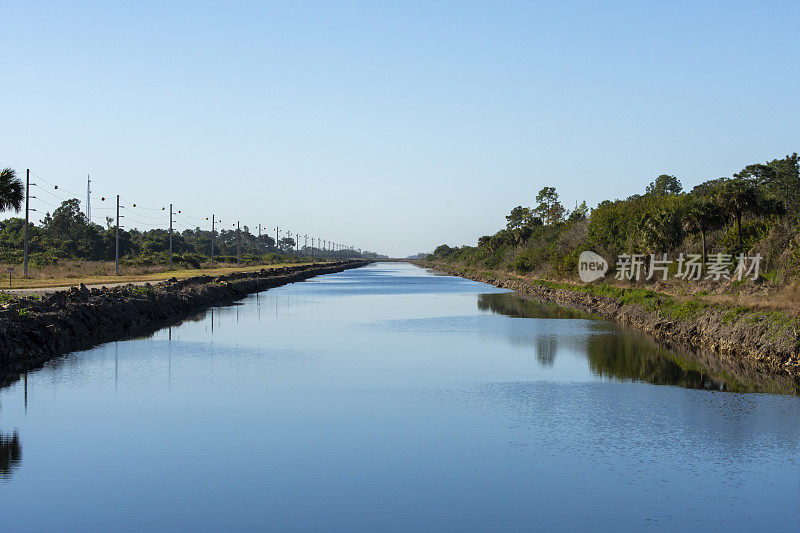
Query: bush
pixel 753 231
pixel 189 260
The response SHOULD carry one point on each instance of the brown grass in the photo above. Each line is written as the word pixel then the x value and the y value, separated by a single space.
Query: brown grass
pixel 766 297
pixel 71 273
pixel 783 299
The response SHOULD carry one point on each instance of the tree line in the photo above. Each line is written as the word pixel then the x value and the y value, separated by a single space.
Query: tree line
pixel 67 233
pixel 756 210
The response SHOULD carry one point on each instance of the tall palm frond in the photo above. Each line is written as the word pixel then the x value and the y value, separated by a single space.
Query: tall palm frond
pixel 12 191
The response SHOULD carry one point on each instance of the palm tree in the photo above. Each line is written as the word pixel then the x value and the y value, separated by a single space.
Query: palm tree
pixel 703 215
pixel 659 231
pixel 12 192
pixel 740 196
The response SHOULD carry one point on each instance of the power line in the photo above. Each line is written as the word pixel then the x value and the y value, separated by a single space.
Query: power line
pixel 77 195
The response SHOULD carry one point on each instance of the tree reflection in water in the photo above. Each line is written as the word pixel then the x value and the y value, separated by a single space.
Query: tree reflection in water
pixel 546 346
pixel 628 356
pixel 511 304
pixel 10 454
pixel 617 352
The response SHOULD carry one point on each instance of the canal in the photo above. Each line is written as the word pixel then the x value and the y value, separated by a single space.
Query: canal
pixel 391 398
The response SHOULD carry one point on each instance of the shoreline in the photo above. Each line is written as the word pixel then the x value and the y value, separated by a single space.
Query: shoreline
pixel 34 330
pixel 749 342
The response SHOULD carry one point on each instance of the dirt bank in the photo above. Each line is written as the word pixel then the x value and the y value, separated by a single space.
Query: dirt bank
pixel 750 340
pixel 35 330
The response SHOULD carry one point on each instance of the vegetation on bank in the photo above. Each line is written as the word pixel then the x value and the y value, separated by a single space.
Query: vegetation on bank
pixel 755 211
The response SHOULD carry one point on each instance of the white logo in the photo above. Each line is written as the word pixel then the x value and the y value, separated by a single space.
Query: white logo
pixel 591 267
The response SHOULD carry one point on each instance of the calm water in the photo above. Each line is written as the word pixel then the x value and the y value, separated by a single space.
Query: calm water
pixel 389 398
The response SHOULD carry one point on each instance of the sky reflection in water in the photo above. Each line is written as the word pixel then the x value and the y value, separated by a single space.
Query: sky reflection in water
pixel 386 397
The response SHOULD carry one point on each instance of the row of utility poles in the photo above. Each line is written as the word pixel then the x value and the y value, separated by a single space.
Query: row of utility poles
pixel 324 246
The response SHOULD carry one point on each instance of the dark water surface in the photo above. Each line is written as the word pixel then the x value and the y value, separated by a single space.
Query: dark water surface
pixel 390 398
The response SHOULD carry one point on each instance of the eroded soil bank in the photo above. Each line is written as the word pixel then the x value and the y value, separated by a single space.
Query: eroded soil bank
pixel 35 330
pixel 752 343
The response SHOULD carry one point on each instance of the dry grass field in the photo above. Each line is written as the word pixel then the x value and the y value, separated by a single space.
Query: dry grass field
pixel 72 273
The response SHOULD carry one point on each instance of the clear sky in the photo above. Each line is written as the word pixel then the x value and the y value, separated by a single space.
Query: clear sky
pixel 395 126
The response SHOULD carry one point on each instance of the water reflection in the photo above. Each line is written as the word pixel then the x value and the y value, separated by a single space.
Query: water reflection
pixel 546 347
pixel 635 357
pixel 334 407
pixel 10 454
pixel 620 353
pixel 512 304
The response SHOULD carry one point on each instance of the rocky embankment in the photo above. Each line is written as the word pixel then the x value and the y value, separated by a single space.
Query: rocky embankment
pixel 34 330
pixel 750 341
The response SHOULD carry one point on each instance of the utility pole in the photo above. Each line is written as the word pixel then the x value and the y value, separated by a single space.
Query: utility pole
pixel 238 239
pixel 276 240
pixel 312 248
pixel 116 245
pixel 212 240
pixel 88 198
pixel 27 218
pixel 170 236
pixel 259 235
pixel 297 236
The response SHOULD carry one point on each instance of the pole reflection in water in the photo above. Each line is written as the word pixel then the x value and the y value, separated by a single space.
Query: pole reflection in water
pixel 116 366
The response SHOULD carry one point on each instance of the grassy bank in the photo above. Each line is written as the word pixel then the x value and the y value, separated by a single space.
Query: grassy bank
pixel 92 273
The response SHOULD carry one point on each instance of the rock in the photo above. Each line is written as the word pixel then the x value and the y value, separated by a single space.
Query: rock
pixel 76 319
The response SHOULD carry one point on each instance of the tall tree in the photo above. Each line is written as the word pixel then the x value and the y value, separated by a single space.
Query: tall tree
pixel 779 178
pixel 12 191
pixel 518 217
pixel 286 244
pixel 739 196
pixel 549 208
pixel 67 228
pixel 664 185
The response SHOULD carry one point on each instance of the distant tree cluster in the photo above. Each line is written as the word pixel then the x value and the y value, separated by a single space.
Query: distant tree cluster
pixel 66 233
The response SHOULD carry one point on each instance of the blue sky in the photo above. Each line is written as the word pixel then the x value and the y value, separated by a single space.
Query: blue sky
pixel 395 126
